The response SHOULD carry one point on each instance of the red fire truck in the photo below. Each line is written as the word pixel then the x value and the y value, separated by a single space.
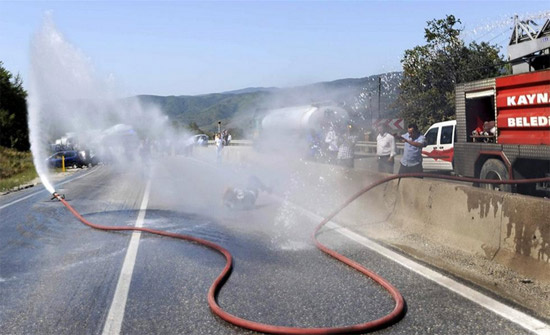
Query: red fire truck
pixel 503 123
pixel 517 144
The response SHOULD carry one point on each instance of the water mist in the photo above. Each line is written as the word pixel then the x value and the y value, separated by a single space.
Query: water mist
pixel 68 99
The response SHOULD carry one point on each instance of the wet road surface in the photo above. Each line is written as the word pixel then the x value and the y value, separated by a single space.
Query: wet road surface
pixel 58 276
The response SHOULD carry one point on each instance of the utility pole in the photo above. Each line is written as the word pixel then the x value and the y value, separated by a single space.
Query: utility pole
pixel 379 94
pixel 370 110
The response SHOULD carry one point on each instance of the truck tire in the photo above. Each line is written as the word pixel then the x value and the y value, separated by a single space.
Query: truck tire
pixel 494 169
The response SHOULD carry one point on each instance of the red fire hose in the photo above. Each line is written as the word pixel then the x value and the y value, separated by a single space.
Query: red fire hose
pixel 391 318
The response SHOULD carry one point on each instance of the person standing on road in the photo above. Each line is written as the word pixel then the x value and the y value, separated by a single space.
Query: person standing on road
pixel 219 146
pixel 385 150
pixel 313 145
pixel 411 162
pixel 346 154
pixel 223 136
pixel 331 139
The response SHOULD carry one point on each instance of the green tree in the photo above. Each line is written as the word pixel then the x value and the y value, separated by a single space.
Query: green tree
pixel 13 112
pixel 431 71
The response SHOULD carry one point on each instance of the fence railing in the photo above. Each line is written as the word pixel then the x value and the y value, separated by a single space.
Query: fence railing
pixel 362 148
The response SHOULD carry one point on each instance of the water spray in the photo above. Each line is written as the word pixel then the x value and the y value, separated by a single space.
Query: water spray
pixel 68 100
pixel 394 316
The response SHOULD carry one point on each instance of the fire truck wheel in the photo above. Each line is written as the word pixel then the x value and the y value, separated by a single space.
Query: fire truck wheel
pixel 494 169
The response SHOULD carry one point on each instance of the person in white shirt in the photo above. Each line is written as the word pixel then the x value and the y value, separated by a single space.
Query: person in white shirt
pixel 385 150
pixel 219 146
pixel 331 139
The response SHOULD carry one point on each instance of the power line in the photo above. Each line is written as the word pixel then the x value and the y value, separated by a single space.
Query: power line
pixel 499 35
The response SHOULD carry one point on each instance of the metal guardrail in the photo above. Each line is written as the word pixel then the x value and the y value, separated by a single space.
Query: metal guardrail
pixel 361 147
pixel 364 147
pixel 234 142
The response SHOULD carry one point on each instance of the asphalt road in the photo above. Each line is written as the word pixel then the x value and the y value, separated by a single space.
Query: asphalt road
pixel 58 276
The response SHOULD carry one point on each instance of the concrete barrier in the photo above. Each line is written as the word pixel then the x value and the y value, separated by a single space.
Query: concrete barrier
pixel 510 229
pixel 466 218
pixel 525 235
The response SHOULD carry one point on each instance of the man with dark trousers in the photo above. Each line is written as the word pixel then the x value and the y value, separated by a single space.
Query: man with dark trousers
pixel 385 150
pixel 411 162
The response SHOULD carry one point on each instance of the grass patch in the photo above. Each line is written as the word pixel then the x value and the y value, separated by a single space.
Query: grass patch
pixel 16 168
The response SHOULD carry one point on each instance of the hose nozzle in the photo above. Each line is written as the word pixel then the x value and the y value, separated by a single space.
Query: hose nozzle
pixel 58 196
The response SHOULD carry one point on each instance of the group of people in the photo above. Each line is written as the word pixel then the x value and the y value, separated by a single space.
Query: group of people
pixel 337 147
pixel 411 161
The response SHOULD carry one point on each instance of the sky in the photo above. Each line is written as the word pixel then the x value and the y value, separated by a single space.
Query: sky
pixel 191 48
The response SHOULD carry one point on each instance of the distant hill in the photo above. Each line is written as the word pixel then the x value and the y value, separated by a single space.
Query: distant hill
pixel 252 90
pixel 237 109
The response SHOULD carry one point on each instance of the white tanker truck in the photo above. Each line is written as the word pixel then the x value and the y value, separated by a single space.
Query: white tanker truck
pixel 293 127
pixel 299 119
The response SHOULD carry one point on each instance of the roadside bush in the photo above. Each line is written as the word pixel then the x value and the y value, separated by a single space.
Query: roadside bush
pixel 16 168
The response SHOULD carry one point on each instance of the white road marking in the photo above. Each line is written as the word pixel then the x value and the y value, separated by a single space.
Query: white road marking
pixel 523 320
pixel 113 324
pixel 35 193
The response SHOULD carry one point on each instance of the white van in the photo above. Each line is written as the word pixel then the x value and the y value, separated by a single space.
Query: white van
pixel 439 150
